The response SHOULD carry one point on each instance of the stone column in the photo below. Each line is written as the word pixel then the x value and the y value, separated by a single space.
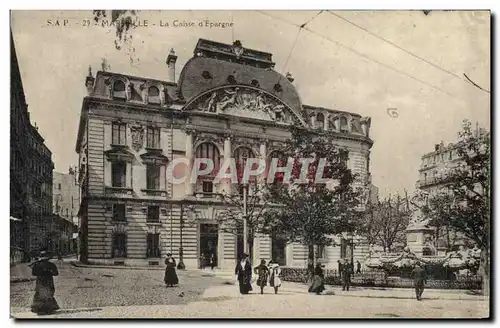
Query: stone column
pixel 313 121
pixel 189 157
pixel 327 122
pixel 263 156
pixel 226 183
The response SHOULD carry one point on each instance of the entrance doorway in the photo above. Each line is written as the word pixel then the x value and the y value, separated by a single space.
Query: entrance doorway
pixel 278 253
pixel 209 240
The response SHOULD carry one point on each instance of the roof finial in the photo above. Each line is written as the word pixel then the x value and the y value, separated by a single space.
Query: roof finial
pixel 90 71
pixel 172 51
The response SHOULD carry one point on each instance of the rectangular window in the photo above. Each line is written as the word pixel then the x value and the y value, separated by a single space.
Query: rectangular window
pixel 119 213
pixel 208 186
pixel 153 214
pixel 153 177
pixel 119 245
pixel 153 138
pixel 119 134
pixel 153 245
pixel 320 252
pixel 119 174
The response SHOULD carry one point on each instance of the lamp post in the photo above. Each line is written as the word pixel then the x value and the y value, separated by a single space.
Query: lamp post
pixel 245 213
pixel 181 265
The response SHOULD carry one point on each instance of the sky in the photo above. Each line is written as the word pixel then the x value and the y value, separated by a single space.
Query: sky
pixel 335 64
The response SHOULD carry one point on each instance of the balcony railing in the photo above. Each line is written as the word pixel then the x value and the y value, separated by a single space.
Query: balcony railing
pixel 153 252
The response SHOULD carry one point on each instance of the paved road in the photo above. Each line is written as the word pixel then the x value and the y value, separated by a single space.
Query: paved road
pixel 78 287
pixel 122 293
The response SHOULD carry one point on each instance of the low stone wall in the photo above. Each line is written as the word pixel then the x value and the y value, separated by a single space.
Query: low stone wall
pixel 379 279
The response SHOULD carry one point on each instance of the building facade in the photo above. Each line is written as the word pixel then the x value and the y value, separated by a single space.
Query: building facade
pixel 30 175
pixel 227 103
pixel 66 203
pixel 434 178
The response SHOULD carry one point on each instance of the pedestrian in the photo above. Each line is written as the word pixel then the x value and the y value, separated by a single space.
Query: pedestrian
pixel 318 282
pixel 263 272
pixel 346 275
pixel 44 270
pixel 274 279
pixel 419 280
pixel 212 261
pixel 202 261
pixel 243 272
pixel 171 278
pixel 60 259
pixel 358 270
pixel 340 266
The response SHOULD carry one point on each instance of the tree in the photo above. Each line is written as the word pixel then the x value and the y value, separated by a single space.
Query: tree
pixel 231 218
pixel 385 222
pixel 311 211
pixel 465 199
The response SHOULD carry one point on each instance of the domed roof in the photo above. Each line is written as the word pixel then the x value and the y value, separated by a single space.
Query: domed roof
pixel 215 65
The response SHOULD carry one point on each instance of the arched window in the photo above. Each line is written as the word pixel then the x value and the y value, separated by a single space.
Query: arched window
pixel 153 95
pixel 344 128
pixel 119 90
pixel 241 155
pixel 282 161
pixel 231 79
pixel 208 150
pixel 320 121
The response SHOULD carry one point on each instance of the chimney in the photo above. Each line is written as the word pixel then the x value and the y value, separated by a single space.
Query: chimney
pixel 436 147
pixel 171 59
pixel 89 82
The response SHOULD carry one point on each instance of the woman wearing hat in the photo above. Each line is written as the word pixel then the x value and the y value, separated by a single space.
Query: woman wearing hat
pixel 274 280
pixel 263 271
pixel 44 270
pixel 243 272
pixel 318 283
pixel 171 278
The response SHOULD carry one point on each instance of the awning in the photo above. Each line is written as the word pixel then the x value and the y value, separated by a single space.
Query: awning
pixel 15 219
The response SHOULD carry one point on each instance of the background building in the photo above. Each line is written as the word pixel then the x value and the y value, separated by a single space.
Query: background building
pixel 66 203
pixel 228 102
pixel 30 176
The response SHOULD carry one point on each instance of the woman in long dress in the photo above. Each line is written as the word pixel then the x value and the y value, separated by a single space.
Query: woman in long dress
pixel 274 280
pixel 171 278
pixel 243 272
pixel 318 283
pixel 263 271
pixel 44 270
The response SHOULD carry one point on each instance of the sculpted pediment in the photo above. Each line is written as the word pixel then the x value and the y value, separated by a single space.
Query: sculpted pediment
pixel 245 102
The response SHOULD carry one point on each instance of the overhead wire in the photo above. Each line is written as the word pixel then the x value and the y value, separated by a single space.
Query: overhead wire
pixel 407 51
pixel 365 56
pixel 295 42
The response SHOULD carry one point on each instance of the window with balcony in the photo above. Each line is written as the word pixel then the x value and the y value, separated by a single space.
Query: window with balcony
pixel 153 177
pixel 207 187
pixel 119 213
pixel 153 241
pixel 209 151
pixel 119 134
pixel 153 138
pixel 119 247
pixel 119 174
pixel 153 214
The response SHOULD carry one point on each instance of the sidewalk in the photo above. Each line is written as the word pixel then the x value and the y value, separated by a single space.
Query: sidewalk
pixel 22 272
pixel 369 292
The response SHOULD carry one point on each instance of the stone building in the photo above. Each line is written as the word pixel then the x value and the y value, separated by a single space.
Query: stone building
pixel 30 175
pixel 228 102
pixel 66 203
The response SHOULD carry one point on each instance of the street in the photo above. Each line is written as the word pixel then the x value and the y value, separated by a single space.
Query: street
pixel 84 292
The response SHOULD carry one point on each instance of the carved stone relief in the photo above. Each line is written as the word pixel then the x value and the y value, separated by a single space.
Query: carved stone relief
pixel 245 101
pixel 137 133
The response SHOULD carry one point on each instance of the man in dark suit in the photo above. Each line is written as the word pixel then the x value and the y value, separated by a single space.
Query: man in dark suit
pixel 346 275
pixel 419 280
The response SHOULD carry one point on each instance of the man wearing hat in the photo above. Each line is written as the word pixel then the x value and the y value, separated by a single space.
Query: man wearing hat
pixel 44 270
pixel 419 279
